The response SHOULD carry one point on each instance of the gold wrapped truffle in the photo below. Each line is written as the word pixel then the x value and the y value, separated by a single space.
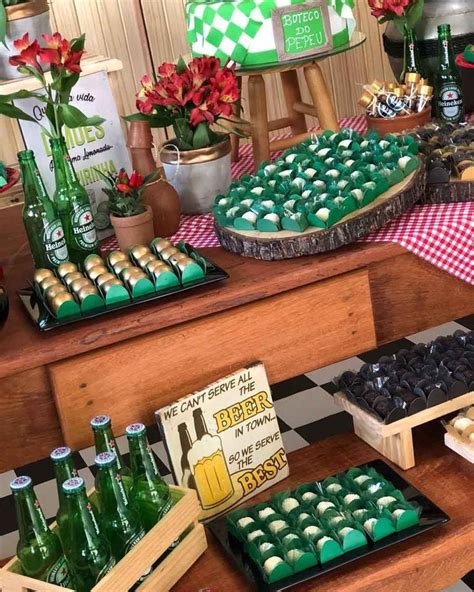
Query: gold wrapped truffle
pixel 121 265
pixel 96 271
pixel 115 256
pixel 41 274
pixel 177 257
pixel 76 275
pixel 133 281
pixel 130 272
pixel 139 250
pixel 86 291
pixel 54 290
pixel 60 299
pixel 93 261
pixel 65 268
pixel 105 287
pixel 76 285
pixel 145 259
pixel 157 266
pixel 49 281
pixel 104 277
pixel 162 244
pixel 166 253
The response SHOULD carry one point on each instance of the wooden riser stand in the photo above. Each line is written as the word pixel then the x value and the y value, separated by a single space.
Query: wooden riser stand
pixel 181 518
pixel 395 440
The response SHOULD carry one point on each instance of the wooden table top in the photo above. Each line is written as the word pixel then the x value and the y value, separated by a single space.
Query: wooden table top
pixel 430 561
pixel 24 347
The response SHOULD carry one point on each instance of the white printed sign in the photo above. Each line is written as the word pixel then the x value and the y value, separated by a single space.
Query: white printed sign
pixel 224 440
pixel 102 146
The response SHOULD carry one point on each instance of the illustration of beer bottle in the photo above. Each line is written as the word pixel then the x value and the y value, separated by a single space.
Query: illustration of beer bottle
pixel 73 205
pixel 42 224
pixel 449 103
pixel 207 463
pixel 187 478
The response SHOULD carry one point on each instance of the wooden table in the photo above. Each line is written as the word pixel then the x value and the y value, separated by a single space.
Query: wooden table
pixel 294 315
pixel 431 561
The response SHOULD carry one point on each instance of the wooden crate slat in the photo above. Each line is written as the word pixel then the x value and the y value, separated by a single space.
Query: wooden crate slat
pixel 13 582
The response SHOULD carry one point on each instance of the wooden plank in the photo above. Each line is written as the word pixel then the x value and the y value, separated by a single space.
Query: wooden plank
pixel 142 375
pixel 411 295
pixel 30 425
pixel 432 561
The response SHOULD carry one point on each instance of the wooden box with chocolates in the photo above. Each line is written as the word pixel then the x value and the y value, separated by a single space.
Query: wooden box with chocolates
pixel 298 535
pixel 449 153
pixel 120 280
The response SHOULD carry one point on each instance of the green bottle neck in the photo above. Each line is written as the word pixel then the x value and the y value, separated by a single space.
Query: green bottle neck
pixel 63 470
pixel 79 509
pixel 31 521
pixel 105 442
pixel 64 172
pixel 33 185
pixel 142 462
pixel 446 52
pixel 111 491
pixel 411 52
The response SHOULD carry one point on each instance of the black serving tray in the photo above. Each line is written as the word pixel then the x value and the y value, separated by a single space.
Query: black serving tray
pixel 430 517
pixel 45 321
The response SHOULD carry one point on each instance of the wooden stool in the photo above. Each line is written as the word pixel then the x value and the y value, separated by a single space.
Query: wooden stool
pixel 258 126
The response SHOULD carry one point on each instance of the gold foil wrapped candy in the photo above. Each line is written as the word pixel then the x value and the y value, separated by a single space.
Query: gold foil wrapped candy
pixel 105 287
pixel 162 244
pixel 115 256
pixel 145 259
pixel 54 290
pixel 177 257
pixel 60 299
pixel 86 291
pixel 121 265
pixel 104 277
pixel 93 261
pixel 130 272
pixel 96 271
pixel 139 250
pixel 76 285
pixel 166 253
pixel 48 282
pixel 41 274
pixel 66 268
pixel 70 277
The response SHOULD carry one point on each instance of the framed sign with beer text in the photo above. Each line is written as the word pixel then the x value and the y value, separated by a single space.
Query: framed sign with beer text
pixel 302 30
pixel 99 147
pixel 224 440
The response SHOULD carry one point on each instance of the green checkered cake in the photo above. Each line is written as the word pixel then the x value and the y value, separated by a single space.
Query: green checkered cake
pixel 242 30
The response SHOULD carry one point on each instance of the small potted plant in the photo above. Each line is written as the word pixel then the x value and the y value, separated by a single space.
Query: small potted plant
pixel 131 218
pixel 192 98
pixel 18 17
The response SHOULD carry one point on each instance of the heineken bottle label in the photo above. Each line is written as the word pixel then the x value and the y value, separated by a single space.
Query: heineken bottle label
pixel 134 540
pixel 92 515
pixel 395 103
pixel 58 574
pixel 450 102
pixel 54 242
pixel 105 570
pixel 385 111
pixel 152 459
pixel 83 227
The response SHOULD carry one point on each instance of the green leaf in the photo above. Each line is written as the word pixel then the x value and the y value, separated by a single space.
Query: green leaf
pixel 183 131
pixel 136 117
pixel 3 24
pixel 415 13
pixel 68 82
pixel 181 65
pixel 15 113
pixel 73 117
pixel 22 94
pixel 201 137
pixel 78 43
pixel 384 20
pixel 400 22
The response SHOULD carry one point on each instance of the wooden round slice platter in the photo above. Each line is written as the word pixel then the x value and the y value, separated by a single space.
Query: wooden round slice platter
pixel 456 191
pixel 287 245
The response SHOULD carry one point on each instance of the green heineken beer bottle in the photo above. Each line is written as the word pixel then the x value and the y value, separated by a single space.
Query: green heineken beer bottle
pixel 449 102
pixel 39 549
pixel 63 469
pixel 411 55
pixel 119 522
pixel 149 493
pixel 73 205
pixel 86 549
pixel 105 442
pixel 42 224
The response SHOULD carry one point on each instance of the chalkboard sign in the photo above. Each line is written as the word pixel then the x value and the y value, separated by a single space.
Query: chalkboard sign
pixel 302 30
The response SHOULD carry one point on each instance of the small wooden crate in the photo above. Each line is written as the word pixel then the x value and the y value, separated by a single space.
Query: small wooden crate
pixel 182 518
pixel 395 440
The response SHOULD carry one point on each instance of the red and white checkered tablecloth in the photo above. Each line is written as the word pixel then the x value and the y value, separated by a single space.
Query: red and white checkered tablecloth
pixel 442 234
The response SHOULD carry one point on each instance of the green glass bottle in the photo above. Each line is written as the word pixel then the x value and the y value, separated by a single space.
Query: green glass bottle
pixel 73 205
pixel 86 549
pixel 42 224
pixel 118 520
pixel 39 548
pixel 149 494
pixel 63 469
pixel 411 55
pixel 105 442
pixel 449 100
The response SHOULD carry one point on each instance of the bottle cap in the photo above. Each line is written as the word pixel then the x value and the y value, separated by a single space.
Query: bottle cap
pixel 377 85
pixel 100 422
pixel 412 78
pixel 426 90
pixel 444 28
pixel 104 459
pixel 392 86
pixel 135 429
pixel 366 99
pixel 60 453
pixel 74 484
pixel 21 482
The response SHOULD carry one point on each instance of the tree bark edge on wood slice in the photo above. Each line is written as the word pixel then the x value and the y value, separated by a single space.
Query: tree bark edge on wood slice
pixel 453 192
pixel 321 241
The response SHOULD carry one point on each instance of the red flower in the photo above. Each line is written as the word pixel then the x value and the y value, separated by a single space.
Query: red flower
pixel 377 8
pixel 123 188
pixel 167 69
pixel 122 176
pixel 28 53
pixel 395 6
pixel 200 114
pixel 135 180
pixel 59 53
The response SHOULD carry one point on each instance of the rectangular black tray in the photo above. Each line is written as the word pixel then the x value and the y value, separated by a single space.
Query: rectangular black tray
pixel 45 321
pixel 431 516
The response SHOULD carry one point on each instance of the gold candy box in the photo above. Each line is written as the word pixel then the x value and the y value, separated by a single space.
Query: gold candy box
pixel 117 280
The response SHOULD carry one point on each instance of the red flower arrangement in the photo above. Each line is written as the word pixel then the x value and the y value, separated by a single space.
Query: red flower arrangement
pixel 190 97
pixel 404 13
pixel 124 192
pixel 64 59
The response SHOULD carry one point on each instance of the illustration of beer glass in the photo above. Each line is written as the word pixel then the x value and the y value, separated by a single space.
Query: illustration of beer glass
pixel 207 463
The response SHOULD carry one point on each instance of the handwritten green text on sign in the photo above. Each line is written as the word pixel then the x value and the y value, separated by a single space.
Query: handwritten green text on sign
pixel 303 30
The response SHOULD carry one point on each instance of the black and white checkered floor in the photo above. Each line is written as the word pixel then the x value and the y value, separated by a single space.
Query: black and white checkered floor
pixel 306 413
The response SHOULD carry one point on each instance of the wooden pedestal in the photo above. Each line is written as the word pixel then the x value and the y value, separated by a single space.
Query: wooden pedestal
pixel 395 440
